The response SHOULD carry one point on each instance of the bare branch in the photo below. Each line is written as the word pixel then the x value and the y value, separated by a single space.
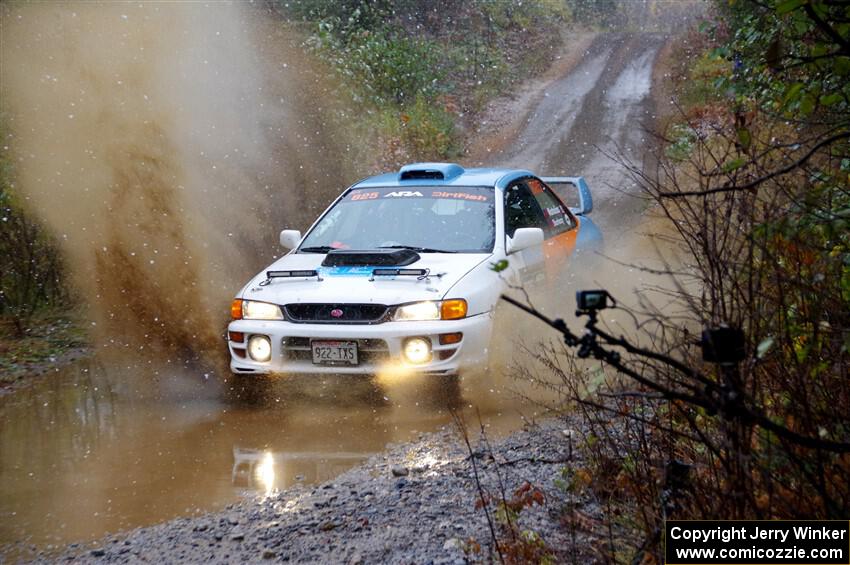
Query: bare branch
pixel 754 183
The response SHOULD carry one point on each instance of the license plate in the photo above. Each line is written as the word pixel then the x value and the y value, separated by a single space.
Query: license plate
pixel 334 352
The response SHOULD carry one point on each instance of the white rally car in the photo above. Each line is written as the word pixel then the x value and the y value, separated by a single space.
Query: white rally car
pixel 398 272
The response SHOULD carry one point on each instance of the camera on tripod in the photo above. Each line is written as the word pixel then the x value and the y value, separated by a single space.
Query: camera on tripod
pixel 591 301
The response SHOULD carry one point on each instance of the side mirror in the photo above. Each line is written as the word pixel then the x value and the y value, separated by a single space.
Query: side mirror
pixel 289 238
pixel 523 239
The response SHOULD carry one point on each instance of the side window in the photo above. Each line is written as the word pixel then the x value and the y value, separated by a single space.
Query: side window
pixel 557 217
pixel 521 209
pixel 567 193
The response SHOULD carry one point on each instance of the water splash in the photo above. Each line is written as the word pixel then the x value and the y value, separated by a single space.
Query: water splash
pixel 153 139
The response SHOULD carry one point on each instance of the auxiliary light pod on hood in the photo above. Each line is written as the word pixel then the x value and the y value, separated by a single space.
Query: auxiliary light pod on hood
pixel 290 275
pixel 370 258
pixel 420 274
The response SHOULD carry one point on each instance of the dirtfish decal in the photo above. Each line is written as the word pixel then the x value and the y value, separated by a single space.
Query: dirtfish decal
pixel 359 271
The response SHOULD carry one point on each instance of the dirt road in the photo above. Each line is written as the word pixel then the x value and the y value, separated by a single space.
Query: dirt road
pixel 602 108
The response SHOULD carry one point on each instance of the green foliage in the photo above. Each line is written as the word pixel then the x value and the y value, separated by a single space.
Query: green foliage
pixel 429 63
pixel 31 277
pixel 602 13
pixel 499 266
pixel 478 63
pixel 682 139
pixel 765 138
pixel 347 17
pixel 48 336
pixel 504 14
pixel 429 130
pixel 791 57
pixel 381 66
pixel 704 76
pixel 422 128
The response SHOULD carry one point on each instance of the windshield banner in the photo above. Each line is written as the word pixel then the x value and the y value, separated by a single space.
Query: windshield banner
pixel 469 194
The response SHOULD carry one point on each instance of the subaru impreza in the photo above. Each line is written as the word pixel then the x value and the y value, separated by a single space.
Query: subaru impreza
pixel 405 270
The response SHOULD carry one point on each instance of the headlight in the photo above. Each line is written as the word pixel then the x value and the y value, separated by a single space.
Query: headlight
pixel 253 310
pixel 432 310
pixel 418 311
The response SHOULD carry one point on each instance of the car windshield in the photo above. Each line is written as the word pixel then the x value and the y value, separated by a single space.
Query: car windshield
pixel 428 219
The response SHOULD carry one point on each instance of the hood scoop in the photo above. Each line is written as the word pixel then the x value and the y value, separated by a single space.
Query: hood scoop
pixel 370 258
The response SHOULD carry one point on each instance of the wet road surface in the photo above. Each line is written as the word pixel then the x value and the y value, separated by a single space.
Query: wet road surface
pixel 601 109
pixel 107 445
pixel 100 447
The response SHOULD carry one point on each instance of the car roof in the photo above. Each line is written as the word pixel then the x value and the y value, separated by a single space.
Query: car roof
pixel 443 174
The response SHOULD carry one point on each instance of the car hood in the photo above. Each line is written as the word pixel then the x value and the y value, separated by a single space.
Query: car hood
pixel 356 285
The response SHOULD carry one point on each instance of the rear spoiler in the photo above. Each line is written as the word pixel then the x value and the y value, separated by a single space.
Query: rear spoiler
pixel 585 199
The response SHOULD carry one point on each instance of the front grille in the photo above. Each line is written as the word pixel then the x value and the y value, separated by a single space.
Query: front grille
pixel 336 313
pixel 369 351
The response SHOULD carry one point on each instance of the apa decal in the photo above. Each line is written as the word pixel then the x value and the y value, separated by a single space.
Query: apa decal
pixel 403 194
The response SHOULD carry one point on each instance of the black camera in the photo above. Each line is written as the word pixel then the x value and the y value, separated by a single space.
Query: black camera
pixel 592 300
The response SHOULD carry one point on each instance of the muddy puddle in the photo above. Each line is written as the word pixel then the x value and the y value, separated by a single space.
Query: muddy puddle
pixel 103 446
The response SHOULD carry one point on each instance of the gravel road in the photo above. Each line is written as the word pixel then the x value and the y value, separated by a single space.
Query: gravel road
pixel 602 108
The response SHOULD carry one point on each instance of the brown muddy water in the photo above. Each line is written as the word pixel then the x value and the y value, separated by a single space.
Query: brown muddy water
pixel 105 445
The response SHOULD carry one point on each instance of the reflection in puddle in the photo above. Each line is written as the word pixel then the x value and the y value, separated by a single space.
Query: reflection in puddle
pixel 254 469
pixel 103 446
pixel 267 471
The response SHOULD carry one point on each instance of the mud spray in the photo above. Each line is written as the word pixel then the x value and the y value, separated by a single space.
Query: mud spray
pixel 165 144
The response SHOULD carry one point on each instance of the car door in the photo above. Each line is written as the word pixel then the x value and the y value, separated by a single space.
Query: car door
pixel 559 231
pixel 523 211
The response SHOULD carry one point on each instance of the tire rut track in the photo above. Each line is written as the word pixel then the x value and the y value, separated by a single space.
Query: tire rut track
pixel 602 106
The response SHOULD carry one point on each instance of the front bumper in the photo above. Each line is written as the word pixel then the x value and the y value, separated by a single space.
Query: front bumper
pixel 379 346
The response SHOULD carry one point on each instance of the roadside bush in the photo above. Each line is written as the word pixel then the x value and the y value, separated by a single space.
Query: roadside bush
pixel 382 67
pixel 704 81
pixel 32 275
pixel 429 130
pixel 396 58
pixel 681 140
pixel 506 14
pixel 601 13
pixel 757 193
pixel 480 69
